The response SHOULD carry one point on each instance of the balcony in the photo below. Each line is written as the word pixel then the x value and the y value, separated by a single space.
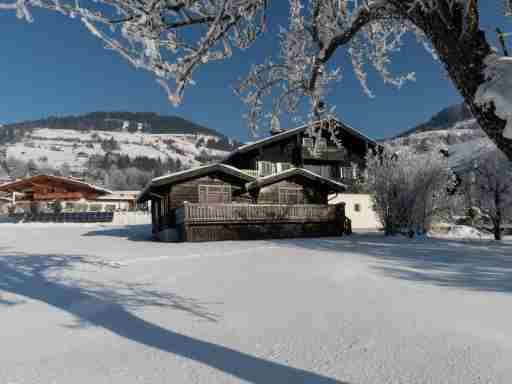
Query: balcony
pixel 254 213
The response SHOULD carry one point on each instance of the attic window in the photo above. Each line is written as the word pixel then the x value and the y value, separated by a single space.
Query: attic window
pixel 291 195
pixel 214 194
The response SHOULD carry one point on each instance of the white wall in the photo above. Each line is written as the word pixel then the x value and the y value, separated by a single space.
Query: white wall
pixel 131 218
pixel 366 217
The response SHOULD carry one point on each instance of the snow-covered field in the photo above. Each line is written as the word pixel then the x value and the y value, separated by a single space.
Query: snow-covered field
pixel 91 304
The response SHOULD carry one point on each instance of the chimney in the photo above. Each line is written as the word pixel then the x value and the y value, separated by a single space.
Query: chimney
pixel 275 126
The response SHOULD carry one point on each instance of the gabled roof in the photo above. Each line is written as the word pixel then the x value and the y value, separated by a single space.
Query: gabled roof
pixel 291 132
pixel 19 185
pixel 194 173
pixel 294 173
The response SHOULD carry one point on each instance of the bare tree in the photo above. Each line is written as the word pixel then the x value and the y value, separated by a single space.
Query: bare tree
pixel 172 38
pixel 408 190
pixel 492 190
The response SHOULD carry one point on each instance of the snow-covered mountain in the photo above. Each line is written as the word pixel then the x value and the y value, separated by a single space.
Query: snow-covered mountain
pixel 453 131
pixel 75 140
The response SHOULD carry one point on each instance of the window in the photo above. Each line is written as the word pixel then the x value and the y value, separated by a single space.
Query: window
pixel 285 166
pixel 314 168
pixel 357 207
pixel 335 172
pixel 325 171
pixel 347 173
pixel 289 195
pixel 321 144
pixel 307 142
pixel 214 194
pixel 266 168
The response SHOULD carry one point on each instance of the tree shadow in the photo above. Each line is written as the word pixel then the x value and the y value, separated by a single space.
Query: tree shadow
pixel 32 276
pixel 478 265
pixel 138 232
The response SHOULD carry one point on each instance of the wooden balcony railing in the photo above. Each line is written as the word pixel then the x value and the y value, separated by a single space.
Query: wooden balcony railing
pixel 253 213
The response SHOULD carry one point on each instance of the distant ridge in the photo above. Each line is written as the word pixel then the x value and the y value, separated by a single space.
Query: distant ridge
pixel 111 121
pixel 445 119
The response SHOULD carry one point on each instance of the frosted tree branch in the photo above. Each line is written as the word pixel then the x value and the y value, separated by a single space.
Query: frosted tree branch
pixel 170 38
pixel 173 38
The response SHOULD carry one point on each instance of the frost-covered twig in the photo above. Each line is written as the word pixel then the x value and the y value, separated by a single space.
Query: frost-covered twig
pixel 165 37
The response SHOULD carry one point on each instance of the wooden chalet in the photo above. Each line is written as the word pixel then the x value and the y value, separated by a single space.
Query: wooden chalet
pixel 221 202
pixel 45 188
pixel 338 152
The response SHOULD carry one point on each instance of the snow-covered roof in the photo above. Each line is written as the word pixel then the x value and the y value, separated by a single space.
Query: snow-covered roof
pixel 290 132
pixel 17 185
pixel 193 173
pixel 294 172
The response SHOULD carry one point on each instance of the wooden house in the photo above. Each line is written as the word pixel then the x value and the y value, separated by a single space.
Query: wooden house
pixel 45 188
pixel 337 152
pixel 221 202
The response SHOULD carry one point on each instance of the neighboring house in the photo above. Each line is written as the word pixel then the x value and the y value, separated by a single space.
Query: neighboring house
pixel 74 194
pixel 118 200
pixel 221 202
pixel 338 154
pixel 359 208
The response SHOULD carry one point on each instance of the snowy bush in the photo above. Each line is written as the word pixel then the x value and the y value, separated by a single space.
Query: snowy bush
pixel 408 190
pixel 488 187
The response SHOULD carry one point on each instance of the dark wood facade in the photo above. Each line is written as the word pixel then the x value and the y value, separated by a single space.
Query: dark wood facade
pixel 220 196
pixel 295 148
pixel 276 187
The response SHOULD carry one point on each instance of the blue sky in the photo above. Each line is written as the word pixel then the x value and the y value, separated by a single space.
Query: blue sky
pixel 55 67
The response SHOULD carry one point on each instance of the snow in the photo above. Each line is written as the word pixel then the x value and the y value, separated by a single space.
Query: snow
pixel 464 232
pixel 59 146
pixel 465 154
pixel 93 304
pixel 498 89
pixel 469 144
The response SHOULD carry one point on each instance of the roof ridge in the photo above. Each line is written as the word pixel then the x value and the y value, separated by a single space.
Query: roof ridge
pixel 289 131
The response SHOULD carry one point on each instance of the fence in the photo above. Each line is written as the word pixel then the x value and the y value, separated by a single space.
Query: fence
pixel 65 217
pixel 202 222
pixel 254 213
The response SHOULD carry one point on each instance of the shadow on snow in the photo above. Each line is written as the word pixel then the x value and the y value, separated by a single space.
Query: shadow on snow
pixel 109 307
pixel 139 232
pixel 480 265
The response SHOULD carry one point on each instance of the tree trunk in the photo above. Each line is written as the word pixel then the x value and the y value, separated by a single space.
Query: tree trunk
pixel 498 217
pixel 497 231
pixel 463 58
